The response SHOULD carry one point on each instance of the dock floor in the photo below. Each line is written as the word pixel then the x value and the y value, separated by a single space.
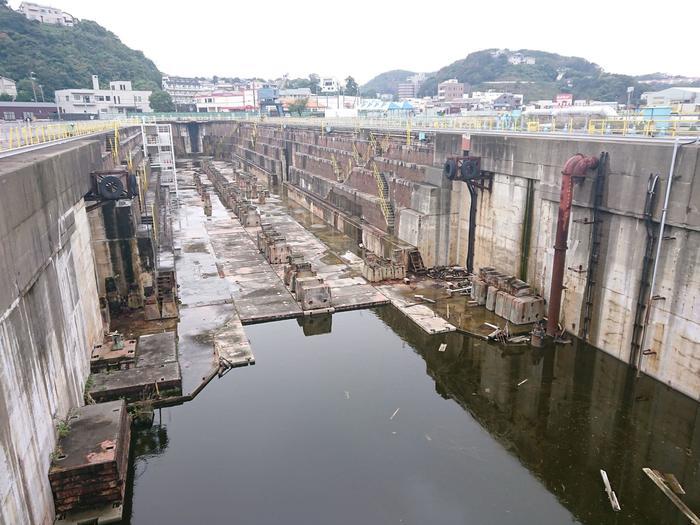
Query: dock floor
pixel 257 287
pixel 207 312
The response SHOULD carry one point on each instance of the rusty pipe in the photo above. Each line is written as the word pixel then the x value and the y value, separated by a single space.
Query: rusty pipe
pixel 574 168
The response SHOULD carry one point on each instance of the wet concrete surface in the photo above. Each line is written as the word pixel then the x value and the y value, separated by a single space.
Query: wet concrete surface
pixel 154 370
pixel 258 289
pixel 403 298
pixel 307 435
pixel 209 327
pixel 342 273
pixel 446 312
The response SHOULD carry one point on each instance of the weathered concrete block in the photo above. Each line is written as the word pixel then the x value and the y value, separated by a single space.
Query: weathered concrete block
pixel 504 303
pixel 526 310
pixel 479 291
pixel 314 297
pixel 277 250
pixel 491 298
pixel 300 282
pixel 250 217
pixel 504 282
pixel 520 288
pixel 374 273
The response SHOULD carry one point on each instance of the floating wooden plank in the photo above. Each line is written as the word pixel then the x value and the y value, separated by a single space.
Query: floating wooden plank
pixel 525 381
pixel 660 482
pixel 673 482
pixel 394 414
pixel 608 489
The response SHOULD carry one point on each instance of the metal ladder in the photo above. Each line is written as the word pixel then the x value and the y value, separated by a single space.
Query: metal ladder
pixel 415 262
pixel 594 254
pixel 383 192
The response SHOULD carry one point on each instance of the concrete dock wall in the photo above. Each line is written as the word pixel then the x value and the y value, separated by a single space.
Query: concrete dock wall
pixel 338 166
pixel 432 213
pixel 674 330
pixel 49 311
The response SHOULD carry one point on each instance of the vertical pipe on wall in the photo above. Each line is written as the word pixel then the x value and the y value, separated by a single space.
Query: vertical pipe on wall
pixel 575 167
pixel 527 229
pixel 472 227
pixel 659 241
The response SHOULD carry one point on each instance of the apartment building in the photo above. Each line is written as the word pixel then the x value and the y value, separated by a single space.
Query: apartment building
pixel 120 98
pixel 46 14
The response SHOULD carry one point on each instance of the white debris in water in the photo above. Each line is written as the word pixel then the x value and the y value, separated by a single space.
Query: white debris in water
pixel 350 257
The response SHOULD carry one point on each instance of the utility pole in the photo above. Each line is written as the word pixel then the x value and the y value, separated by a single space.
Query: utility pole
pixel 630 89
pixel 32 77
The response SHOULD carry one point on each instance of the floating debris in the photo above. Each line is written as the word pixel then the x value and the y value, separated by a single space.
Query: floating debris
pixel 608 489
pixel 673 482
pixel 523 382
pixel 660 481
pixel 394 414
pixel 425 299
pixel 442 347
pixel 347 395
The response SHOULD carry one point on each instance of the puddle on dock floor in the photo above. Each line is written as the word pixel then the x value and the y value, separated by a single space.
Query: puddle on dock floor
pixel 312 434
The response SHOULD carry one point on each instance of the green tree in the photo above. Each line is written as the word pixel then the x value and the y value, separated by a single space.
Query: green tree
pixel 25 93
pixel 145 85
pixel 351 87
pixel 161 102
pixel 298 105
pixel 314 81
pixel 5 97
pixel 297 83
pixel 66 57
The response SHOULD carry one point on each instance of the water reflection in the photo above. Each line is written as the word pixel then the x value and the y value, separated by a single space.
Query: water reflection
pixel 148 440
pixel 309 441
pixel 316 324
pixel 580 410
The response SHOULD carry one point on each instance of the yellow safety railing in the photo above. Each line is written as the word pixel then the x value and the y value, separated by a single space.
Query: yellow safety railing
pixel 34 133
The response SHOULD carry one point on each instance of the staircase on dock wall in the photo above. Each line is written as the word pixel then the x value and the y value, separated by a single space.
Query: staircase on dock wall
pixel 384 199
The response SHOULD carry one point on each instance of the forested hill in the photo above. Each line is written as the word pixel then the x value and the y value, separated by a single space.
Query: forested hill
pixel 538 75
pixel 67 57
pixel 387 82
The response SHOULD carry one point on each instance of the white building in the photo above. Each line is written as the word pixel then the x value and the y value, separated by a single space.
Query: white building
pixel 295 93
pixel 672 96
pixel 450 89
pixel 46 14
pixel 119 99
pixel 226 101
pixel 496 100
pixel 8 87
pixel 329 85
pixel 183 90
pixel 518 58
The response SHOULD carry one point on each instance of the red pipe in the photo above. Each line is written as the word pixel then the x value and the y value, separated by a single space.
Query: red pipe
pixel 574 168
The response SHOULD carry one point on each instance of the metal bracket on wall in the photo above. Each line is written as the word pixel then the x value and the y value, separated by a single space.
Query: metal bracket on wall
pixel 484 183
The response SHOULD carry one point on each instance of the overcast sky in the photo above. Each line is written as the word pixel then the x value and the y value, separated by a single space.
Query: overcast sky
pixel 363 38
